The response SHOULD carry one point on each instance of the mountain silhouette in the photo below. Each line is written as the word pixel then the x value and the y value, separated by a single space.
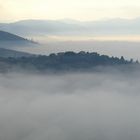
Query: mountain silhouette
pixel 9 40
pixel 5 36
pixel 115 26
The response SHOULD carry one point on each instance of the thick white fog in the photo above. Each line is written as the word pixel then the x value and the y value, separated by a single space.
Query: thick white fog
pixel 80 106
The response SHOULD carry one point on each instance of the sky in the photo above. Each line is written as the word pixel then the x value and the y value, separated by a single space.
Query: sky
pixel 12 10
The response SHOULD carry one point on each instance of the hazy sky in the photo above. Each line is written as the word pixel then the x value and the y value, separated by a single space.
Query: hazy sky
pixel 75 9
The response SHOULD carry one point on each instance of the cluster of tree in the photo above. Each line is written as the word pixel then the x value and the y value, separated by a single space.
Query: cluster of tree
pixel 64 61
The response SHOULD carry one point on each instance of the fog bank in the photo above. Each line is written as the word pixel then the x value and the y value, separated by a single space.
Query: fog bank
pixel 70 107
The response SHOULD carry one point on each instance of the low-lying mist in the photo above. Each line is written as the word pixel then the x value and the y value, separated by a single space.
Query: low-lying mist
pixel 80 106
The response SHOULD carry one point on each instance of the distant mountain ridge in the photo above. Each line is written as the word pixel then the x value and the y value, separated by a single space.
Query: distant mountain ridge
pixel 72 27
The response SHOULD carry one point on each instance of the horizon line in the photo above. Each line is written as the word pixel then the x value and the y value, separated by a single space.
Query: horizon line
pixel 67 19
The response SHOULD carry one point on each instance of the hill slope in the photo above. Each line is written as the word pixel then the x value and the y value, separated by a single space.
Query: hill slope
pixel 8 40
pixel 5 36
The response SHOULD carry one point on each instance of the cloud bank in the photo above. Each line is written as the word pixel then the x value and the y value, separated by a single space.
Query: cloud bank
pixel 70 107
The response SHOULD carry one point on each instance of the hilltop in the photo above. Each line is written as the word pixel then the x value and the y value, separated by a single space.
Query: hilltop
pixel 64 62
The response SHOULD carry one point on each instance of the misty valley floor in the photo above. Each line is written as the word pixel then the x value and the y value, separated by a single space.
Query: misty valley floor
pixel 80 106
